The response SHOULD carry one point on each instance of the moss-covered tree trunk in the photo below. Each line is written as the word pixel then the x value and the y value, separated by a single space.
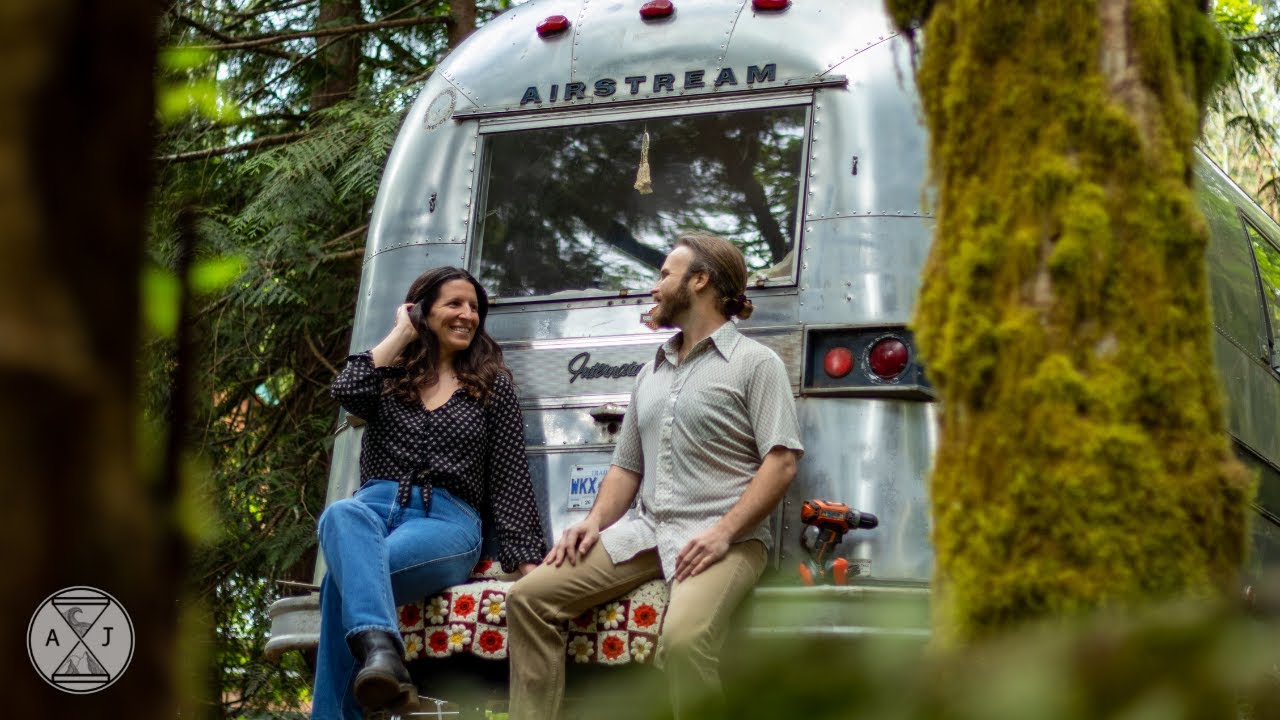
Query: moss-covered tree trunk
pixel 1083 461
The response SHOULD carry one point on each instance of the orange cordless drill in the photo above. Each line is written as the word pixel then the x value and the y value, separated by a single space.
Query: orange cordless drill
pixel 832 520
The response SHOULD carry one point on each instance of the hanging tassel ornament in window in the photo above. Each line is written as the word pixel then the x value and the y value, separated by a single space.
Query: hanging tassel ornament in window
pixel 643 183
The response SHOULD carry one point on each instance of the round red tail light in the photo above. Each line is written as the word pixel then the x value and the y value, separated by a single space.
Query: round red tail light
pixel 553 25
pixel 770 4
pixel 888 358
pixel 838 362
pixel 655 9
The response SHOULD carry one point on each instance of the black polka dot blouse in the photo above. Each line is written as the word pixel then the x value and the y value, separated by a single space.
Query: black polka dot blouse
pixel 473 450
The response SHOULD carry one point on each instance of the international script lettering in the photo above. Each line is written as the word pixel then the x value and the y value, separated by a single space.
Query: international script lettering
pixel 580 367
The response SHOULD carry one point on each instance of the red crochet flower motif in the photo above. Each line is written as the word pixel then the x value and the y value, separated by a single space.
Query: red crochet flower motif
pixel 439 641
pixel 482 567
pixel 491 641
pixel 409 615
pixel 612 646
pixel 464 605
pixel 644 616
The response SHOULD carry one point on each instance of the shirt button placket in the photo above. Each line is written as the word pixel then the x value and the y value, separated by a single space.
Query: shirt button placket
pixel 666 468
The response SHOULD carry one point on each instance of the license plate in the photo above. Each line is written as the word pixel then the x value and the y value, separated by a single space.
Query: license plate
pixel 584 483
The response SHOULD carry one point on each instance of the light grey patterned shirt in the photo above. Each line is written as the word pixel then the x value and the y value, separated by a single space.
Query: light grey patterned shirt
pixel 697 431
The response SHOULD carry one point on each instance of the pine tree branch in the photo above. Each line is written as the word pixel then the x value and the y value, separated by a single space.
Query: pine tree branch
pixel 323 32
pixel 255 144
pixel 344 255
pixel 396 48
pixel 306 335
pixel 350 234
pixel 258 11
pixel 217 35
pixel 1267 36
pixel 296 117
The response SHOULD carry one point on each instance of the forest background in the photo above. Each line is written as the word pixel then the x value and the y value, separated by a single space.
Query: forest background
pixel 274 120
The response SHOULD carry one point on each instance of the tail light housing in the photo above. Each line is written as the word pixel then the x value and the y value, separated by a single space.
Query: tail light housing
pixel 870 361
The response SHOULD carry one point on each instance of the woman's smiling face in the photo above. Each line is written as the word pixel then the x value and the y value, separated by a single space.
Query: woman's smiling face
pixel 454 316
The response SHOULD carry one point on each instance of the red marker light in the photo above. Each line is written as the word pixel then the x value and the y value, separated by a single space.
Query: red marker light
pixel 838 362
pixel 553 25
pixel 657 9
pixel 888 358
pixel 770 4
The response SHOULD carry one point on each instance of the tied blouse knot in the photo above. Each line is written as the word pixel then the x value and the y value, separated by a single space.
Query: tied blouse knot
pixel 473 449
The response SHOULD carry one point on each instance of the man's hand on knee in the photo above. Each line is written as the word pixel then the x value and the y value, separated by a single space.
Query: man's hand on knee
pixel 574 543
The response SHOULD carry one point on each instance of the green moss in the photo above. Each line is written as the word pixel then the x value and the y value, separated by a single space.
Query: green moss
pixel 1083 460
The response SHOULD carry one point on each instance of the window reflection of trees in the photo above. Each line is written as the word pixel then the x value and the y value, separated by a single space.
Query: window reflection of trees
pixel 561 212
pixel 1268 258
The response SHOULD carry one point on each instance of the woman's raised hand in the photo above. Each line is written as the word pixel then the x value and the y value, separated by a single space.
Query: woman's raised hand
pixel 403 324
pixel 402 333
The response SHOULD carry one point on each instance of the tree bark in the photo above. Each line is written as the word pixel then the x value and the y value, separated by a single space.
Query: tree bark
pixel 462 20
pixel 76 110
pixel 1083 459
pixel 339 58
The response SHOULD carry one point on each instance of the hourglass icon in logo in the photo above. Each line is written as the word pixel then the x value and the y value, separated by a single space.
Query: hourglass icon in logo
pixel 80 640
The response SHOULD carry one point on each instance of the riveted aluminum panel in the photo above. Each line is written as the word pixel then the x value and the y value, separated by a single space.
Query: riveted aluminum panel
pixel 867 147
pixel 615 42
pixel 862 270
pixel 495 64
pixel 809 37
pixel 426 189
pixel 875 456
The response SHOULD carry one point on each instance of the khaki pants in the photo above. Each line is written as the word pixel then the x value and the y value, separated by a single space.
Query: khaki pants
pixel 698 612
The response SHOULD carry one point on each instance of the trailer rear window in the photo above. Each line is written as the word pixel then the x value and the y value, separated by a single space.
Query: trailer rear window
pixel 560 212
pixel 1268 257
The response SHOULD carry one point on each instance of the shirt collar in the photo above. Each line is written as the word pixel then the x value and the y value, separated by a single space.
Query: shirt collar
pixel 724 340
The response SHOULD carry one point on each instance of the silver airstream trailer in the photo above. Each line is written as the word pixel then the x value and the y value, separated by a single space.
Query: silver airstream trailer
pixel 557 152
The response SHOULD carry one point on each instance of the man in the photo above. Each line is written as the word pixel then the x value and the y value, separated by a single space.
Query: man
pixel 710 443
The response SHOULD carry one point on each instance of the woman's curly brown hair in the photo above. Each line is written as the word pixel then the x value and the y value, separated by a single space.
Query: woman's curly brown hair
pixel 478 367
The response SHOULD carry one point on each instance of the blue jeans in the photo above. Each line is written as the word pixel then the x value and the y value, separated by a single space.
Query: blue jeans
pixel 379 556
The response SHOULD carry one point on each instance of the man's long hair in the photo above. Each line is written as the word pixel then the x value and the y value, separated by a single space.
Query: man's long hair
pixel 722 261
pixel 478 367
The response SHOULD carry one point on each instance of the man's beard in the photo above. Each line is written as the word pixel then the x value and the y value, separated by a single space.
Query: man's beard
pixel 664 315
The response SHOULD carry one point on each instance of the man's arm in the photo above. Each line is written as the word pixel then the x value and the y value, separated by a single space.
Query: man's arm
pixel 618 490
pixel 760 498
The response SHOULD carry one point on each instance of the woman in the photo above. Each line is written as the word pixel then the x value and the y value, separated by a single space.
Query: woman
pixel 444 443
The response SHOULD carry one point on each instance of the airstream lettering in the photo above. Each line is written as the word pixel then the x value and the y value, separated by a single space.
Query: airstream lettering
pixel 817 178
pixel 693 79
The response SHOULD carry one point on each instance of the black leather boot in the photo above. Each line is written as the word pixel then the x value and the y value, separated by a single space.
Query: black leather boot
pixel 383 682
